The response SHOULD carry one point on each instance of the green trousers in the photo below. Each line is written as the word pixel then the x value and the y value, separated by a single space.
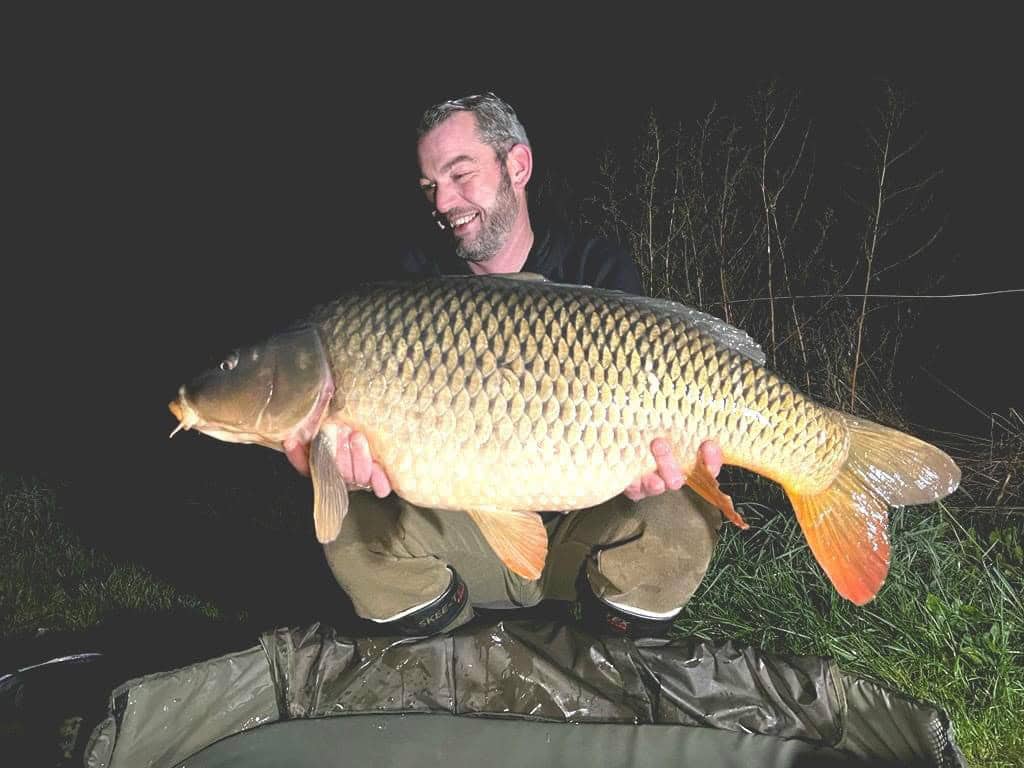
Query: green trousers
pixel 646 557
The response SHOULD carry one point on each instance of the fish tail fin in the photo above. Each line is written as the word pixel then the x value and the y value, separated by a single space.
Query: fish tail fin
pixel 846 523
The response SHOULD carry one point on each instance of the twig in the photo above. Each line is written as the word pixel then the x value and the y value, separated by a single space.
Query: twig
pixel 880 296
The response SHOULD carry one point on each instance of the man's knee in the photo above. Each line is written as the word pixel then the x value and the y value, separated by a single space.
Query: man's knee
pixel 404 595
pixel 445 612
pixel 657 571
pixel 372 566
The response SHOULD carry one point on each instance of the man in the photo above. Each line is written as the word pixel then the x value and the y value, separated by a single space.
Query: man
pixel 629 564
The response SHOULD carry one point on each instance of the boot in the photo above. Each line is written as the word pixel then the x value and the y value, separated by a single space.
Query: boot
pixel 603 619
pixel 432 618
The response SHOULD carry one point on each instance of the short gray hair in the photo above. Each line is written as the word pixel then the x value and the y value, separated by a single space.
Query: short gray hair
pixel 496 121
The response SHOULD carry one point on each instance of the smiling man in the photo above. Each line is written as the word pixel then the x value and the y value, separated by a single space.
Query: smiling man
pixel 475 163
pixel 626 566
pixel 470 186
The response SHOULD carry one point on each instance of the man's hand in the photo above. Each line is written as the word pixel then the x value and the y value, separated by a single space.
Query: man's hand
pixel 352 458
pixel 668 475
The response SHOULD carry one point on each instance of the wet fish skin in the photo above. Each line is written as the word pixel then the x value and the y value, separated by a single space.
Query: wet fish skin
pixel 548 396
pixel 501 397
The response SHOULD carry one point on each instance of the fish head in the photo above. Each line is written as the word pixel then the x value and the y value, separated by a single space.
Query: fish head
pixel 264 393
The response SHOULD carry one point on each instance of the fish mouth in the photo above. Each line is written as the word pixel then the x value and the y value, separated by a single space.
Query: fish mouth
pixel 183 412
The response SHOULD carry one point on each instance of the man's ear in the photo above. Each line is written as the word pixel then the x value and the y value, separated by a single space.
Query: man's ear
pixel 520 165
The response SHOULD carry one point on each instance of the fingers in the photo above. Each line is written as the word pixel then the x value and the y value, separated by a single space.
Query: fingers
pixel 668 472
pixel 711 454
pixel 379 481
pixel 352 458
pixel 356 465
pixel 362 464
pixel 298 456
pixel 634 491
pixel 653 484
pixel 343 455
pixel 650 484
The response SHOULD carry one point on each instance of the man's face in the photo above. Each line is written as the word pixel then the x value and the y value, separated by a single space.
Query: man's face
pixel 470 189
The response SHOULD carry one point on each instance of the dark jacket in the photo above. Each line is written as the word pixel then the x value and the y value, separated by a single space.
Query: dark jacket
pixel 559 253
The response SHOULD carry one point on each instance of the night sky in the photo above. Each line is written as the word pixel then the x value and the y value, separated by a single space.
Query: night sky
pixel 184 184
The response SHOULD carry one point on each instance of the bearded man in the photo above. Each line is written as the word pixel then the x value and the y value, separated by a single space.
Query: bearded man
pixel 625 567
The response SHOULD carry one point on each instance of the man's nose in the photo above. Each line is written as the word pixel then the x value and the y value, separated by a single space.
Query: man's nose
pixel 444 198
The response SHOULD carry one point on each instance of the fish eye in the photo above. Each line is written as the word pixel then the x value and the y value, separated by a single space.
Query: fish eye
pixel 229 362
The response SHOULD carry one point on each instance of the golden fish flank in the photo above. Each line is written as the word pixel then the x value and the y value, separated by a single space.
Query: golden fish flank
pixel 501 397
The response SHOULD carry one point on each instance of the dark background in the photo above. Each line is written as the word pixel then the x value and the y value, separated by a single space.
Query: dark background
pixel 180 182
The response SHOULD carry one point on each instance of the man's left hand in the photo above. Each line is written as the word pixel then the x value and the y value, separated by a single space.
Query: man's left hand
pixel 668 475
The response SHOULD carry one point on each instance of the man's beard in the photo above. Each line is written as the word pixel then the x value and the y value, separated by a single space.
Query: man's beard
pixel 497 226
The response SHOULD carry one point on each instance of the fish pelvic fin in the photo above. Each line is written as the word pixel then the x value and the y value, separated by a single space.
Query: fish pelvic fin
pixel 330 494
pixel 846 524
pixel 519 539
pixel 705 485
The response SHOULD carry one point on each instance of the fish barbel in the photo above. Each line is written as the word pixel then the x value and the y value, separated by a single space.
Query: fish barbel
pixel 503 396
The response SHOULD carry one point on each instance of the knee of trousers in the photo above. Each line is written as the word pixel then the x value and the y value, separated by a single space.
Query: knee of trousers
pixel 660 567
pixel 370 565
pixel 383 586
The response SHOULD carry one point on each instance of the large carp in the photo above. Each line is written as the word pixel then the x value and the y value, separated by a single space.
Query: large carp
pixel 503 396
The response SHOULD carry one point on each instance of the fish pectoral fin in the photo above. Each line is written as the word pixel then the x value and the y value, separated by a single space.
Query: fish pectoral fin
pixel 519 539
pixel 330 495
pixel 706 486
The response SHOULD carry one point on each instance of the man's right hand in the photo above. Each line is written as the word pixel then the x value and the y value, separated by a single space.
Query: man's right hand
pixel 352 458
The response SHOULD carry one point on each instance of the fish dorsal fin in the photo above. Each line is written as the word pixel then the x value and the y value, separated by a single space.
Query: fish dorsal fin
pixel 728 335
pixel 526 277
pixel 519 539
pixel 330 494
pixel 722 332
pixel 725 334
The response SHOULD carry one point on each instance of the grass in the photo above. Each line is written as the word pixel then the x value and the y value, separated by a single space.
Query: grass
pixel 947 627
pixel 50 580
